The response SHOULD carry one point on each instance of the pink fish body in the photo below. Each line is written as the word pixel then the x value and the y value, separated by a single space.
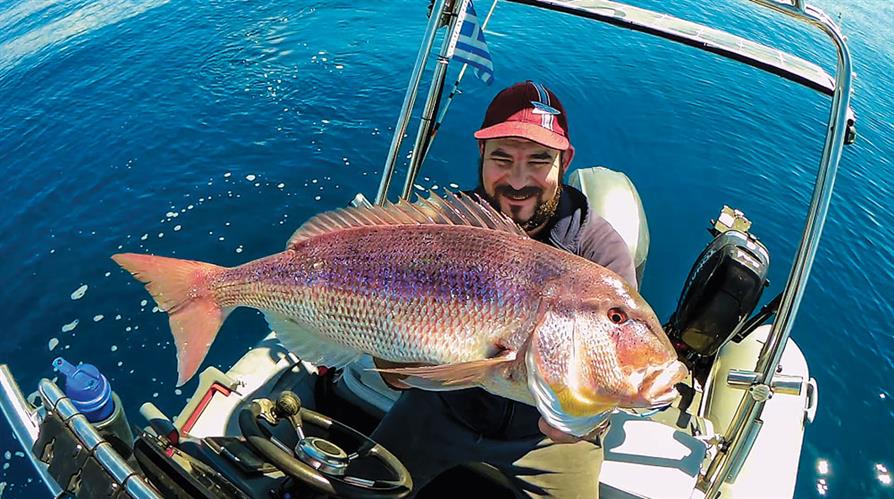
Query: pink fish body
pixel 445 282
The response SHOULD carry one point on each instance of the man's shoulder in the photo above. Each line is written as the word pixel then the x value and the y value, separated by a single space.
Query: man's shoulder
pixel 598 241
pixel 601 243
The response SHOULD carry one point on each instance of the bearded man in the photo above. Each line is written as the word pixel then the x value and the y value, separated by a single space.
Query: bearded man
pixel 525 153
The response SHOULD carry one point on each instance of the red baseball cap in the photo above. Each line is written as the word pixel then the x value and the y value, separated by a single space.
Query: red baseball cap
pixel 530 111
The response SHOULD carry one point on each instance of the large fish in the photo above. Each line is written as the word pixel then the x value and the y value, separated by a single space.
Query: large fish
pixel 447 282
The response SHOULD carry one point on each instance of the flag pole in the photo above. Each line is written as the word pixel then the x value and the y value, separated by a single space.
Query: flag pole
pixel 459 78
pixel 409 100
pixel 439 74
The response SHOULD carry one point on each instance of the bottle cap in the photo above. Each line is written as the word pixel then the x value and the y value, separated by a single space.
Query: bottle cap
pixel 87 388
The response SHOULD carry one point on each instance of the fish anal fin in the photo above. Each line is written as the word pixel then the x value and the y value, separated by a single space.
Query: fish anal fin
pixel 451 376
pixel 307 345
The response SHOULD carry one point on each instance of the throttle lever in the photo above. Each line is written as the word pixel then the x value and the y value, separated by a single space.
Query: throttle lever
pixel 288 406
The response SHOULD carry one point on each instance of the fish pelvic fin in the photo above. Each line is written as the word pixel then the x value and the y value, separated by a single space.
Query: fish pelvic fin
pixel 449 209
pixel 181 288
pixel 451 376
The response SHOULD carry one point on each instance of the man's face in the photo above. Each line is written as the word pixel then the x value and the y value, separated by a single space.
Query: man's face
pixel 522 178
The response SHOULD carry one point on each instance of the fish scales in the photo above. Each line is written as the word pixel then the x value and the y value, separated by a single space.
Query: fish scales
pixel 420 300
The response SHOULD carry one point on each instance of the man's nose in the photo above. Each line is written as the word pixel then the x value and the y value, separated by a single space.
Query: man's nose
pixel 517 177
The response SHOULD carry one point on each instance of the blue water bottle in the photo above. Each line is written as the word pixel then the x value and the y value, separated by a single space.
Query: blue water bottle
pixel 92 395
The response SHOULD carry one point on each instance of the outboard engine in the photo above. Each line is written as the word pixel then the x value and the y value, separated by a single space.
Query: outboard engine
pixel 722 289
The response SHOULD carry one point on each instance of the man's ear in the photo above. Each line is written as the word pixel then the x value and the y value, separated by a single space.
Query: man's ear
pixel 481 148
pixel 567 156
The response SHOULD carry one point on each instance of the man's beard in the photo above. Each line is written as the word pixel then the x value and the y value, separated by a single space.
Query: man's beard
pixel 543 210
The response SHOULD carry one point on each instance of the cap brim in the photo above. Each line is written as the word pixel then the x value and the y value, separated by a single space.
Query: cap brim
pixel 523 130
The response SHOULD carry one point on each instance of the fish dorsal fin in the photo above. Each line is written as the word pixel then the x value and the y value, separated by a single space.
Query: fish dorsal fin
pixel 450 209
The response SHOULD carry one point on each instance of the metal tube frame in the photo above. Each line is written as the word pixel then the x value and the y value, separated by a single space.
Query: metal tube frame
pixel 25 423
pixel 751 406
pixel 409 99
pixel 420 147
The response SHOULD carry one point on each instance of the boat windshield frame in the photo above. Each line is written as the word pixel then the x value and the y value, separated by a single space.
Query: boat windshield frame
pixel 736 440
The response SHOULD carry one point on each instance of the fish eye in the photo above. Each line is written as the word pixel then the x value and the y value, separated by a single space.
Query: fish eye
pixel 617 315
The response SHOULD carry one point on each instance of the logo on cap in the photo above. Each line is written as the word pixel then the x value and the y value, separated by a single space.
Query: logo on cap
pixel 541 108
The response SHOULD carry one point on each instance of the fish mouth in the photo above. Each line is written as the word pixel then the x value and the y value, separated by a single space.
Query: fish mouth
pixel 659 384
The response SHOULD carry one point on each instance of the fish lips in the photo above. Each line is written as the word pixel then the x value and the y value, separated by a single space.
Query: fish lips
pixel 658 387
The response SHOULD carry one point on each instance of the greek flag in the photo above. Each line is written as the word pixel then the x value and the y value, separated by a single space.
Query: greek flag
pixel 468 45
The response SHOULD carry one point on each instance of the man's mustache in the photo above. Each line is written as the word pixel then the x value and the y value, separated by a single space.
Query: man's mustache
pixel 509 191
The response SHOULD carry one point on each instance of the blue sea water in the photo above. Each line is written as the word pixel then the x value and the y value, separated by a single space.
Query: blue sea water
pixel 211 130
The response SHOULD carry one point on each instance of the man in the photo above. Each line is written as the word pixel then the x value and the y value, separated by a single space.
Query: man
pixel 525 152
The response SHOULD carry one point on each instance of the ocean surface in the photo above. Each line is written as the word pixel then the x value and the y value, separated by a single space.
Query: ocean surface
pixel 210 130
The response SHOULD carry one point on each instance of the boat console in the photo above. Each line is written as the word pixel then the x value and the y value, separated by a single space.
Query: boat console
pixel 283 450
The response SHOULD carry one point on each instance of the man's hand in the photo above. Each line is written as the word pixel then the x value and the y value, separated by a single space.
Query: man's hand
pixel 560 437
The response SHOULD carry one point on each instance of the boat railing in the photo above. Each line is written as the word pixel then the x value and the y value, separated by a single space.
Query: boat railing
pixel 742 431
pixel 745 423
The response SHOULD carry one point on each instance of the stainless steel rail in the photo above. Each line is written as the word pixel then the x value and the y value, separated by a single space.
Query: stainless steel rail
pixel 426 122
pixel 749 409
pixel 409 99
pixel 697 36
pixel 25 423
pixel 789 385
pixel 21 415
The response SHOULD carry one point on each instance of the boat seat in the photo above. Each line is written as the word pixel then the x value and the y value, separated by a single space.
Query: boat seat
pixel 645 458
pixel 365 387
pixel 612 195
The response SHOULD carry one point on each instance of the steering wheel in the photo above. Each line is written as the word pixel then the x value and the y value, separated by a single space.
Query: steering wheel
pixel 320 463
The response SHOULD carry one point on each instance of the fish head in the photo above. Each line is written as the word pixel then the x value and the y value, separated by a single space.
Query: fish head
pixel 594 354
pixel 644 358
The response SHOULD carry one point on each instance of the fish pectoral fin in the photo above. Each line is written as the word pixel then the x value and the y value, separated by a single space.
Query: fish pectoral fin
pixel 308 345
pixel 450 376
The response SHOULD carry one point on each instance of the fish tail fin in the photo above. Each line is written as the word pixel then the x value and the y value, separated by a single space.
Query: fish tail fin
pixel 181 288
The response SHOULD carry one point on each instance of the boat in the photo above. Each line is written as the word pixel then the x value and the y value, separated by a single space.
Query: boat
pixel 273 425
